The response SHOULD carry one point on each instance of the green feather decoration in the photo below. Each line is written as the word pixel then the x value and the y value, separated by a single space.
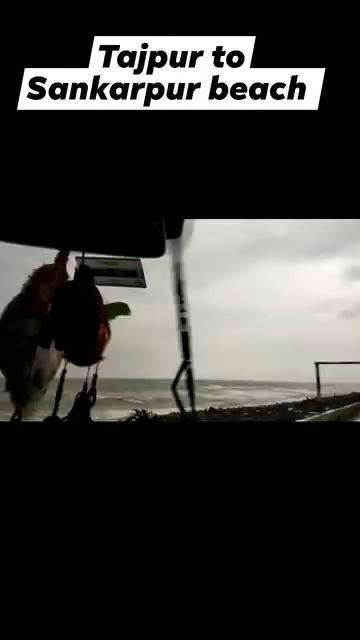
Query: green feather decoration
pixel 115 309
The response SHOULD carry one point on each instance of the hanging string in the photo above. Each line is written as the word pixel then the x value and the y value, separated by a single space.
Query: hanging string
pixel 84 400
pixel 86 381
pixel 59 391
pixel 92 394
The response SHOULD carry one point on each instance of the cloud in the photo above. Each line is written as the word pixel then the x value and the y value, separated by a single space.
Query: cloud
pixel 352 312
pixel 219 249
pixel 352 273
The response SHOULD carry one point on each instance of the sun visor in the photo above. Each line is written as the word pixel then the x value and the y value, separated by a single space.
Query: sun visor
pixel 130 237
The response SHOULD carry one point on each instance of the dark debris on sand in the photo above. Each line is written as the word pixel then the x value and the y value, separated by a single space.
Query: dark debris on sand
pixel 279 412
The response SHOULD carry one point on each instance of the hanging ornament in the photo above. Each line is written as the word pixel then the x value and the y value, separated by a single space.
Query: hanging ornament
pixel 78 322
pixel 28 369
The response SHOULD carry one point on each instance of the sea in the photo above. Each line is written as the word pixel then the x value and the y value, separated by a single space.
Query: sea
pixel 119 398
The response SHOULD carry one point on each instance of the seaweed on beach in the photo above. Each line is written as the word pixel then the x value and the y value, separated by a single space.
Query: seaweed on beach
pixel 141 415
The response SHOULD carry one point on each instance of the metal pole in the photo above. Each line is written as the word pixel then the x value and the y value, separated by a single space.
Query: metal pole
pixel 318 381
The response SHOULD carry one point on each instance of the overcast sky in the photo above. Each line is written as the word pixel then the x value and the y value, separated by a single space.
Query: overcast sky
pixel 267 298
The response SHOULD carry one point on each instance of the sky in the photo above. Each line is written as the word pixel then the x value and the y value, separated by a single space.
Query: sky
pixel 267 297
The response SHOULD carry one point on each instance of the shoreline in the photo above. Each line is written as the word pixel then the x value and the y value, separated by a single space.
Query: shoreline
pixel 290 411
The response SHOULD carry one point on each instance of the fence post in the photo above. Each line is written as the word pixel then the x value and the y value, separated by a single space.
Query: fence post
pixel 318 381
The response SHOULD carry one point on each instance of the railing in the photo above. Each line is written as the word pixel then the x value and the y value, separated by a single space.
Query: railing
pixel 317 372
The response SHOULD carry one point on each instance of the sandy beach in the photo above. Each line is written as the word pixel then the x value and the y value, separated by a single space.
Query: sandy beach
pixel 278 412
